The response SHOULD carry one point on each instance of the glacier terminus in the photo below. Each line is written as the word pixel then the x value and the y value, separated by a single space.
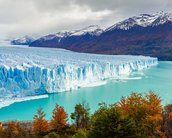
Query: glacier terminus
pixel 30 72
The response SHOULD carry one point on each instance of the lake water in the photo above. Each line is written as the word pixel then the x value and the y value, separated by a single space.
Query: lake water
pixel 158 79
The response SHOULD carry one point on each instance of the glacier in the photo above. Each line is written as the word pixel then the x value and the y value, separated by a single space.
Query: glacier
pixel 27 71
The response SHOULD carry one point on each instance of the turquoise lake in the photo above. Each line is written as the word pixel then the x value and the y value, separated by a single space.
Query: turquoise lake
pixel 158 79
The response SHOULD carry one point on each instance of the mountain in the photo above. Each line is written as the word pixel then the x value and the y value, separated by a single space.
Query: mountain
pixel 26 40
pixel 143 20
pixel 145 34
pixel 68 39
pixel 149 35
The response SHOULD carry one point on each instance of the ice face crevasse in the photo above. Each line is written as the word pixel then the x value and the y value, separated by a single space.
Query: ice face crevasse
pixel 35 71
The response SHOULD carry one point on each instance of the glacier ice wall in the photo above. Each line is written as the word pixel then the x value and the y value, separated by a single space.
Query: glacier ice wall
pixel 28 71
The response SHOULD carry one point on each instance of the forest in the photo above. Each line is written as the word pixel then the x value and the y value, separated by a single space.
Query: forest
pixel 135 116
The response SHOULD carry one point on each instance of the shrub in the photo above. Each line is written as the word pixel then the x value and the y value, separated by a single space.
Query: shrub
pixel 80 134
pixel 52 135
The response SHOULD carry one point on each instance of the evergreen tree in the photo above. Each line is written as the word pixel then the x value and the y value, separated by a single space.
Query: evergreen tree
pixel 40 125
pixel 81 115
pixel 59 118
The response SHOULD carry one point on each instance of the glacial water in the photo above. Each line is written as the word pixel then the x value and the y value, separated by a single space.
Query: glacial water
pixel 158 79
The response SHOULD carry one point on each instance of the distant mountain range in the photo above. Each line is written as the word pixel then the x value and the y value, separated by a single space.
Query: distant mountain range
pixel 146 34
pixel 25 40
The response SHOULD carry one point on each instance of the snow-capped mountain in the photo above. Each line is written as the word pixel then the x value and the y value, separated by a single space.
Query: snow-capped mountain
pixel 26 40
pixel 145 34
pixel 164 18
pixel 143 20
pixel 93 30
pixel 69 38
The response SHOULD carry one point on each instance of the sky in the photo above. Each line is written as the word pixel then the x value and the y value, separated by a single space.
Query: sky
pixel 40 17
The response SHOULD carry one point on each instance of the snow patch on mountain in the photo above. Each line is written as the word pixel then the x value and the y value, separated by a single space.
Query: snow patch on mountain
pixel 93 30
pixel 164 18
pixel 26 40
pixel 143 20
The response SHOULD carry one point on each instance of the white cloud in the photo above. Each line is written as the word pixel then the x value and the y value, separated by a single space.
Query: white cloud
pixel 20 17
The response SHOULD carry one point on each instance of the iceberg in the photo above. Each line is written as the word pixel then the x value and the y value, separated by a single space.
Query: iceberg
pixel 27 71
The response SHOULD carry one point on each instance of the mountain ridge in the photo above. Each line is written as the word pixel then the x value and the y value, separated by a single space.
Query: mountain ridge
pixel 145 34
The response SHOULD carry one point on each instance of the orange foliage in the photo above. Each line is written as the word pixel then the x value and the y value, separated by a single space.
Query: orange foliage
pixel 145 110
pixel 14 128
pixel 1 130
pixel 160 133
pixel 170 114
pixel 40 125
pixel 167 120
pixel 1 127
pixel 59 118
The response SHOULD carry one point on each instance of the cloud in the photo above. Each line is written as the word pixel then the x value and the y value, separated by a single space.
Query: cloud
pixel 39 17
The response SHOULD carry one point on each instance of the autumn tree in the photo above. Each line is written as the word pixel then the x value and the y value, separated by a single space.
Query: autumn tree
pixel 1 130
pixel 107 122
pixel 167 120
pixel 81 115
pixel 14 130
pixel 59 118
pixel 40 125
pixel 145 110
